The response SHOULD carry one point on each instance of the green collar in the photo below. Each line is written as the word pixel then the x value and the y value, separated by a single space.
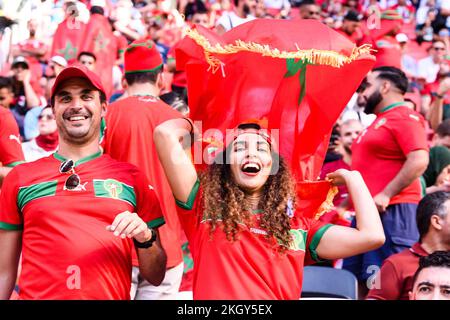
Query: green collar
pixel 83 160
pixel 392 106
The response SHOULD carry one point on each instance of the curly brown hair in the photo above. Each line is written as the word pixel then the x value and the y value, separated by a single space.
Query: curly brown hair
pixel 223 200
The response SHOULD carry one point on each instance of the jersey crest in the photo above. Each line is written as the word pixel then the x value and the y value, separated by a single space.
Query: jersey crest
pixel 113 187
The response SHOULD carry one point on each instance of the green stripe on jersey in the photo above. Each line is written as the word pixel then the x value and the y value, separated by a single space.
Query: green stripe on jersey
pixel 156 223
pixel 35 191
pixel 316 240
pixel 114 189
pixel 10 226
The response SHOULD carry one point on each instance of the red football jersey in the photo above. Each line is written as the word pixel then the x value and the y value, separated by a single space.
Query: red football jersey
pixel 11 153
pixel 250 268
pixel 129 137
pixel 67 252
pixel 380 151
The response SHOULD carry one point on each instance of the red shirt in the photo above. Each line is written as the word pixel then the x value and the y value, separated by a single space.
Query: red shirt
pixel 395 278
pixel 380 151
pixel 67 253
pixel 129 137
pixel 249 268
pixel 10 146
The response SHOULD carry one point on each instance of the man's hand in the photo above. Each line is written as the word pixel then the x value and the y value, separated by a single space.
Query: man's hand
pixel 127 224
pixel 382 201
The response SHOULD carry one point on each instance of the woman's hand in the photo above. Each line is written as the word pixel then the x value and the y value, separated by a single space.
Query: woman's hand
pixel 339 177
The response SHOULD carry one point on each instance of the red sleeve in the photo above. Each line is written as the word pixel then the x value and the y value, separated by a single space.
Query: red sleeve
pixel 147 202
pixel 409 131
pixel 315 232
pixel 190 211
pixel 11 152
pixel 10 216
pixel 387 284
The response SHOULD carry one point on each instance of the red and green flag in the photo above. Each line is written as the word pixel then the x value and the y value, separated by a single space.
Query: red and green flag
pixel 296 74
pixel 68 38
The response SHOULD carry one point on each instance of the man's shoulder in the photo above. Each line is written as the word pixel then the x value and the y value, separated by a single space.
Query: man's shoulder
pixel 402 258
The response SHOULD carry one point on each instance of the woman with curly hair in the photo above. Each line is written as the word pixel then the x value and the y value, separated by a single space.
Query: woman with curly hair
pixel 247 239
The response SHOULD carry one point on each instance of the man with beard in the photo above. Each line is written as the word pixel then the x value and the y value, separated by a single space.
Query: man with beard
pixel 244 11
pixel 77 215
pixel 391 155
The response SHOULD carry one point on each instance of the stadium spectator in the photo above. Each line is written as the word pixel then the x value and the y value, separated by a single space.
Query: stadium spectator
pixel 242 175
pixel 39 203
pixel 46 142
pixel 432 279
pixel 244 11
pixel 87 59
pixel 391 155
pixel 10 145
pixel 310 10
pixel 395 278
pixel 130 123
pixel 428 67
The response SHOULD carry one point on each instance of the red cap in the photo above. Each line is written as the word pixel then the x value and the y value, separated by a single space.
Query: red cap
pixel 77 71
pixel 142 56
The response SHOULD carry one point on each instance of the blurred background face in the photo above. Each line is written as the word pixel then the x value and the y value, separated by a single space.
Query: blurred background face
pixel 349 132
pixel 19 71
pixel 311 11
pixel 6 97
pixel 250 6
pixel 32 27
pixel 350 27
pixel 87 61
pixel 432 284
pixel 201 19
pixel 47 122
pixel 438 50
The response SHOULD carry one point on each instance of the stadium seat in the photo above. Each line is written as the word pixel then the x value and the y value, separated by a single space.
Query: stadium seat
pixel 327 282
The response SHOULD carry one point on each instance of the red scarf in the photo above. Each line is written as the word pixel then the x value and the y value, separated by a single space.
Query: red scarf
pixel 48 142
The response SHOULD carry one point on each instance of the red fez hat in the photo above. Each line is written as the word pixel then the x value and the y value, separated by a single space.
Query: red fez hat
pixel 142 56
pixel 77 71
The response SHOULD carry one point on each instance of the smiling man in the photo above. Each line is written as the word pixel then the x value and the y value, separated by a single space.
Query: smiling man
pixel 78 213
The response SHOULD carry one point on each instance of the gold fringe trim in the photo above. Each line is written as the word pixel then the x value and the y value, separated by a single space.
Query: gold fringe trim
pixel 327 205
pixel 314 56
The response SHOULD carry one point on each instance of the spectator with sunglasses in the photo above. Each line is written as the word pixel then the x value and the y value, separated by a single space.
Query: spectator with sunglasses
pixel 78 214
pixel 46 142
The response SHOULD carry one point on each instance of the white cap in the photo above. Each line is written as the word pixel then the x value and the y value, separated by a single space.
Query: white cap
pixel 59 60
pixel 98 3
pixel 401 37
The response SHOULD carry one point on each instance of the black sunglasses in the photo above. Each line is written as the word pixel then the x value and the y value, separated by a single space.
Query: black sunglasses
pixel 73 181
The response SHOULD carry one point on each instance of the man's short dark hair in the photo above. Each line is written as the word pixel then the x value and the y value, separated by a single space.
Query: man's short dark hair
pixel 431 204
pixel 394 75
pixel 143 77
pixel 443 130
pixel 438 259
pixel 86 53
pixel 307 2
pixel 6 82
pixel 97 10
pixel 352 16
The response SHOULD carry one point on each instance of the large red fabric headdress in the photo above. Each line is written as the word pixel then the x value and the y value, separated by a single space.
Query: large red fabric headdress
pixel 298 74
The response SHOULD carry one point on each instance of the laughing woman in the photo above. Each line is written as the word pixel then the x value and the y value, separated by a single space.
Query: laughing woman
pixel 247 240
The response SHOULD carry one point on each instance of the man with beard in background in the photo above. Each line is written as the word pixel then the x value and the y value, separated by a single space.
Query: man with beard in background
pixel 391 155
